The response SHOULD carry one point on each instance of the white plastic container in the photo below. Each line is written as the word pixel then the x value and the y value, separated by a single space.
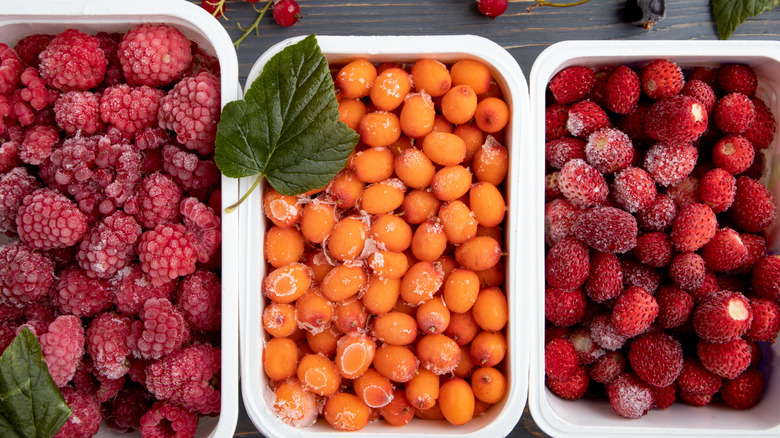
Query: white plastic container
pixel 502 417
pixel 583 418
pixel 21 18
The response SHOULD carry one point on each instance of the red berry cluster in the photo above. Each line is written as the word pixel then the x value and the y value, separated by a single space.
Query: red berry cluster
pixel 109 190
pixel 659 285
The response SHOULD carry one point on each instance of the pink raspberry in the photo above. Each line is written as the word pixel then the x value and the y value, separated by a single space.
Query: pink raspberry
pixel 39 141
pixel 109 44
pixel 161 331
pixel 164 419
pixel 198 177
pixel 109 245
pixel 192 109
pixel 199 295
pixel 10 69
pixel 151 138
pixel 9 312
pixel 126 409
pixel 107 344
pixel 130 109
pixel 34 89
pixel 156 201
pixel 191 389
pixel 133 289
pixel 154 54
pixel 86 417
pixel 73 61
pixel 79 111
pixel 25 275
pixel 204 225
pixel 72 162
pixel 9 154
pixel 14 187
pixel 202 61
pixel 62 347
pixel 47 219
pixel 75 292
pixel 30 47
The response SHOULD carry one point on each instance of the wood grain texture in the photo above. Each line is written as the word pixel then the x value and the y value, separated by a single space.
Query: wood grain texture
pixel 524 34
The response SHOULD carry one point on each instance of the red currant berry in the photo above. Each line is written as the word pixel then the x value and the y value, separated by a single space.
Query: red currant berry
pixel 492 8
pixel 286 12
pixel 213 7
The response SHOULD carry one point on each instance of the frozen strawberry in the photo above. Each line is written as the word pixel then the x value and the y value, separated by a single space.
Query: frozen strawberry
pixel 558 152
pixel 622 90
pixel 629 396
pixel 687 270
pixel 664 396
pixel 725 251
pixel 560 359
pixel 702 92
pixel 717 190
pixel 669 163
pixel 745 391
pixel 684 192
pixel 555 116
pixel 634 189
pixel 733 153
pixel 609 150
pixel 657 358
pixel 659 215
pixel 754 206
pixel 637 274
pixel 633 123
pixel 737 78
pixel 598 92
pixel 607 229
pixel 766 320
pixel 674 306
pixel 756 356
pixel 567 264
pixel 661 78
pixel 634 311
pixel 722 316
pixel 695 379
pixel 560 216
pixel 564 308
pixel 676 119
pixel 582 184
pixel 587 350
pixel 607 367
pixel 708 75
pixel 766 278
pixel 736 283
pixel 586 117
pixel 553 332
pixel 762 131
pixel 604 333
pixel 552 189
pixel 707 287
pixel 756 246
pixel 694 399
pixel 572 84
pixel 693 227
pixel 734 113
pixel 727 360
pixel 758 168
pixel 654 249
pixel 606 277
pixel 572 388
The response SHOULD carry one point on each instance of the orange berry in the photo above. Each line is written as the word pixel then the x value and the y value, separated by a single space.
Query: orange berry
pixel 431 76
pixel 472 136
pixel 318 374
pixel 462 328
pixel 283 210
pixel 421 281
pixel 478 253
pixel 423 390
pixel 487 203
pixel 444 148
pixel 399 411
pixel 458 222
pixel 491 115
pixel 429 241
pixel 355 79
pixel 433 316
pixel 280 358
pixel 417 115
pixel 395 362
pixel 490 310
pixel 419 205
pixel 351 111
pixel 287 283
pixel 395 328
pixel 381 295
pixel 372 165
pixel 313 311
pixel 438 353
pixel 283 246
pixel 451 182
pixel 379 129
pixel 343 281
pixel 383 197
pixel 345 411
pixel 323 343
pixel 354 354
pixel 456 400
pixel 279 319
pixel 461 289
pixel 488 384
pixel 472 73
pixel 294 405
pixel 390 88
pixel 414 168
pixel 392 231
pixel 388 264
pixel 345 189
pixel 488 348
pixel 459 104
pixel 350 316
pixel 373 389
pixel 348 238
pixel 317 220
pixel 491 162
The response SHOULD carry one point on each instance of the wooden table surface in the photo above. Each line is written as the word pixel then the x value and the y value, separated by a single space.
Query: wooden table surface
pixel 524 34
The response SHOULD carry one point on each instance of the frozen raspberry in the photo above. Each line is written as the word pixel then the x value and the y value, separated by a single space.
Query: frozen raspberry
pixel 737 78
pixel 629 396
pixel 603 333
pixel 559 151
pixel 607 367
pixel 661 79
pixel 72 162
pixel 165 419
pixel 734 113
pixel 717 190
pixel 634 311
pixel 587 350
pixel 572 388
pixel 38 144
pixel 109 245
pixel 766 320
pixel 634 189
pixel 73 61
pixel 693 227
pixel 622 90
pixel 659 215
pixel 25 275
pixel 670 163
pixel 609 150
pixel 14 187
pixel 560 359
pixel 202 62
pixel 586 117
pixel 762 131
pixel 657 358
pixel 555 116
pixel 676 119
pixel 154 54
pixel 654 250
pixel 130 109
pixel 606 277
pixel 9 154
pixel 685 192
pixel 192 389
pixel 156 201
pixel 745 391
pixel 151 138
pixel 204 225
pixel 702 92
pixel 722 317
pixel 107 344
pixel 62 347
pixel 29 47
pixel 198 177
pixel 192 110
pixel 582 184
pixel 766 277
pixel 725 251
pixel 199 296
pixel 567 264
pixel 133 289
pixel 34 89
pixel 75 292
pixel 607 229
pixel 109 44
pixel 47 219
pixel 754 206
pixel 10 69
pixel 572 84
pixel 164 329
pixel 79 111
pixel 560 216
pixel 84 421
pixel 687 270
pixel 126 409
pixel 9 312
pixel 727 360
pixel 674 306
pixel 119 171
pixel 564 308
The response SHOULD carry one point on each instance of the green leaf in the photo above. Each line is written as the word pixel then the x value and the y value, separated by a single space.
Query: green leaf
pixel 31 405
pixel 287 129
pixel 729 14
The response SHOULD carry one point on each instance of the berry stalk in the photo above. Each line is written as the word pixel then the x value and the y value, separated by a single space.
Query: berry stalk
pixel 254 25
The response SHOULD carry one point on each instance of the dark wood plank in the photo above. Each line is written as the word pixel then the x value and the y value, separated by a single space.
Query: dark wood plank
pixel 524 34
